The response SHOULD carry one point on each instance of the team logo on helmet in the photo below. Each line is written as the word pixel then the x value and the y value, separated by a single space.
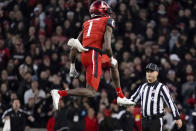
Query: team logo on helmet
pixel 100 8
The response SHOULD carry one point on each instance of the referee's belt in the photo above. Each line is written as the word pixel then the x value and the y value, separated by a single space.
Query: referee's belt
pixel 95 49
pixel 153 117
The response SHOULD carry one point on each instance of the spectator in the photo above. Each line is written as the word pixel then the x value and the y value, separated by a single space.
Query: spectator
pixel 168 120
pixel 137 116
pixel 76 118
pixel 61 121
pixel 50 124
pixel 5 93
pixel 34 92
pixel 188 88
pixel 91 121
pixel 4 76
pixel 108 123
pixel 18 117
pixel 31 108
pixel 2 108
pixel 127 120
pixel 25 81
pixel 4 54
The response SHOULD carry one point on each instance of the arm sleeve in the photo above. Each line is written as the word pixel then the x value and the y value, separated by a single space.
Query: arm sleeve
pixel 25 113
pixel 170 103
pixel 136 96
pixel 6 113
pixel 111 23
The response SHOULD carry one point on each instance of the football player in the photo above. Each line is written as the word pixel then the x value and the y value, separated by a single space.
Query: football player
pixel 96 32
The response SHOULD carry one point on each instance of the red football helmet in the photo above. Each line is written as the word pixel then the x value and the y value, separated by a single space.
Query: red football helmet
pixel 100 8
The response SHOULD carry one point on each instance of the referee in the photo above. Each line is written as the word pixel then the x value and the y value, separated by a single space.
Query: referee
pixel 152 95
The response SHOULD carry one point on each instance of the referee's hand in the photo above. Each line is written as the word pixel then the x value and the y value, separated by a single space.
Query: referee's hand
pixel 179 123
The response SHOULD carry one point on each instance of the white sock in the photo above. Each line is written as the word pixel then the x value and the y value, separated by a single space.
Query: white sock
pixel 72 67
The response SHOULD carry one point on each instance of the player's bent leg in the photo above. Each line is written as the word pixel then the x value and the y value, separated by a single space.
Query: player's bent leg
pixel 57 94
pixel 93 91
pixel 81 92
pixel 77 92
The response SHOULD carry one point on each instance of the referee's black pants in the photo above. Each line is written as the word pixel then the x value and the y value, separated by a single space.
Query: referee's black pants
pixel 155 124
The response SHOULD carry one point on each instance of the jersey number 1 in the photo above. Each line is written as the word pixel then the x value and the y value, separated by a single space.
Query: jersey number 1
pixel 89 29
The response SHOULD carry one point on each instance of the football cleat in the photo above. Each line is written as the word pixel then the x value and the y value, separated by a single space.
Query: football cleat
pixel 75 43
pixel 55 97
pixel 124 101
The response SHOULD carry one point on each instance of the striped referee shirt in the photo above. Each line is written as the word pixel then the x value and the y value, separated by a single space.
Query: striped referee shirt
pixel 152 97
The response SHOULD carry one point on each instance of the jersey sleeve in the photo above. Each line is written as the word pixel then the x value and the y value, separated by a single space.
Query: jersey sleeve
pixel 170 102
pixel 111 23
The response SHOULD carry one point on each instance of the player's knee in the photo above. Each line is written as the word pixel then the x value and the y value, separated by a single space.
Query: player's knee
pixel 91 92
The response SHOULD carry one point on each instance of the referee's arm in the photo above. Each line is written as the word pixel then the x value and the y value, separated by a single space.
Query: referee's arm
pixel 170 103
pixel 136 96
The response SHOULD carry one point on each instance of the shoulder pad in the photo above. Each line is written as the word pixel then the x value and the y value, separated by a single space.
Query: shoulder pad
pixel 111 23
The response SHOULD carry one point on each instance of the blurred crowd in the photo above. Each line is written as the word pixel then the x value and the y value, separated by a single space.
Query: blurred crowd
pixel 34 58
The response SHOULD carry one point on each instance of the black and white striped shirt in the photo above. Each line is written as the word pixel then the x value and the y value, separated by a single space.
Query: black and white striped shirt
pixel 152 98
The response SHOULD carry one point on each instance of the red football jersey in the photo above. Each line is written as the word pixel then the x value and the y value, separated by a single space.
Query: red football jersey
pixel 93 31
